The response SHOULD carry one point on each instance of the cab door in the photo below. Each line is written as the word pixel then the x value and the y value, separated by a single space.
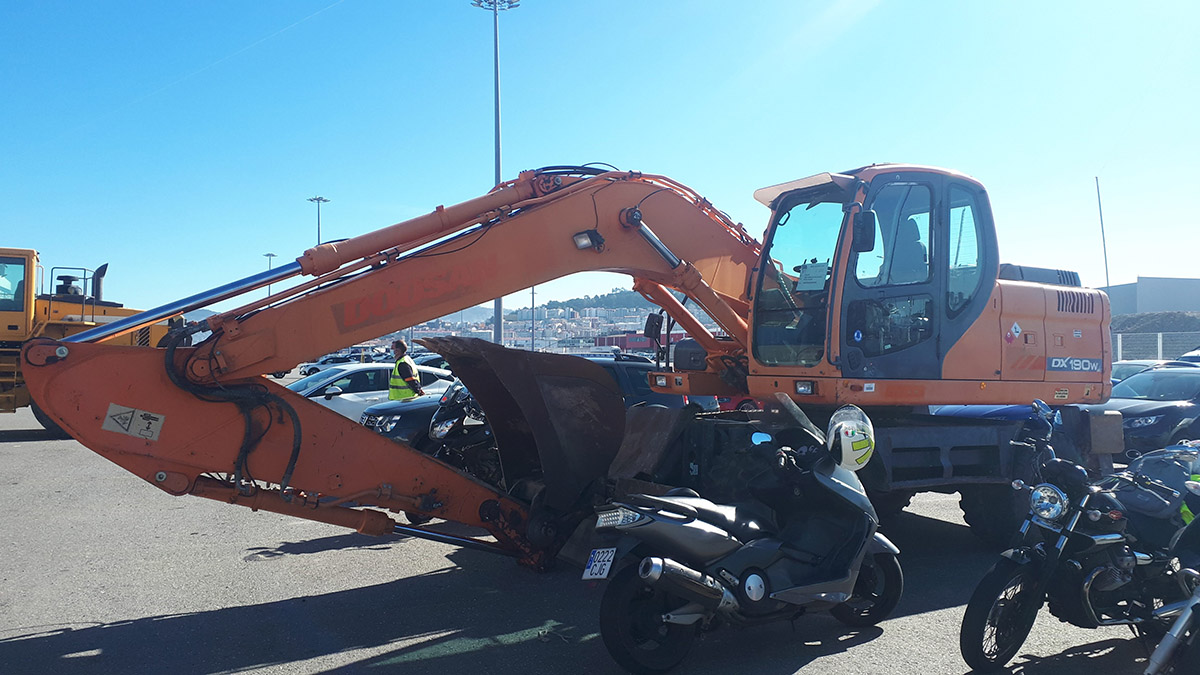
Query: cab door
pixel 16 295
pixel 891 309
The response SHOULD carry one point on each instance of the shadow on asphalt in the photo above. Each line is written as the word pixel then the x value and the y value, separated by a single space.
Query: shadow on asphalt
pixel 22 435
pixel 1104 656
pixel 488 616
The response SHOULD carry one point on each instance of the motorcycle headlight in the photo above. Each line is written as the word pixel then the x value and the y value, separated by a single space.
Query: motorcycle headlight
pixel 440 429
pixel 616 517
pixel 1139 422
pixel 1048 502
pixel 388 423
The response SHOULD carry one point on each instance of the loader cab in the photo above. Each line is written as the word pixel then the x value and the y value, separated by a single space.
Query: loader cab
pixel 874 273
pixel 17 269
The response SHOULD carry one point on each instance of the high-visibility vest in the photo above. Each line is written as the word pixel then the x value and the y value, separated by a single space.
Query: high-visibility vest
pixel 398 389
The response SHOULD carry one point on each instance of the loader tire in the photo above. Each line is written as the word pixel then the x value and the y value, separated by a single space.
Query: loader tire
pixel 52 428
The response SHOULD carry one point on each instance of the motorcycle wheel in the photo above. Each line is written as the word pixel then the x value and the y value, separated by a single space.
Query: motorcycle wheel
pixel 876 593
pixel 1187 657
pixel 632 628
pixel 999 616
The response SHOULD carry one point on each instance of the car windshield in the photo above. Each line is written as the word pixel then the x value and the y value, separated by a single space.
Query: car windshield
pixel 309 382
pixel 1160 385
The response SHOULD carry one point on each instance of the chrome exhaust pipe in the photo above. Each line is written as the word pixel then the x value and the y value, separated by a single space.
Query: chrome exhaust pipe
pixel 687 583
pixel 1172 610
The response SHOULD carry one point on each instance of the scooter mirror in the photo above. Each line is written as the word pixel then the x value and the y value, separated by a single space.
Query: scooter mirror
pixel 760 438
pixel 1193 487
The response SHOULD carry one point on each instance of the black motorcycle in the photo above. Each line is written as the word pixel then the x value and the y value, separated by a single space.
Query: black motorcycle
pixel 1178 653
pixel 805 541
pixel 1097 552
pixel 459 435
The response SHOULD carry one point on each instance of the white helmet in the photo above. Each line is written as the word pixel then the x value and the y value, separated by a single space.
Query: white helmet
pixel 851 438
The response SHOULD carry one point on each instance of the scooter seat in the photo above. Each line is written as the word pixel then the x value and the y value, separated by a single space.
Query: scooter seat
pixel 744 522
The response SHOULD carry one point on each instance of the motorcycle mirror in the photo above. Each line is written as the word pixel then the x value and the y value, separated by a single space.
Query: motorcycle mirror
pixel 760 438
pixel 1193 487
pixel 332 391
pixel 1043 410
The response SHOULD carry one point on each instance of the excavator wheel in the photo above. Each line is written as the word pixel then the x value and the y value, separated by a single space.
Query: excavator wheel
pixel 891 503
pixel 995 512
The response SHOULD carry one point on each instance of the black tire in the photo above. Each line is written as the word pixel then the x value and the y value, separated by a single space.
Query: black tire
pixel 279 375
pixel 876 593
pixel 417 518
pixel 632 631
pixel 52 428
pixel 994 512
pixel 999 616
pixel 748 406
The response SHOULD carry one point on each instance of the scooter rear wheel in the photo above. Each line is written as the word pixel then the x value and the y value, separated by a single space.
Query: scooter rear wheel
pixel 876 593
pixel 632 627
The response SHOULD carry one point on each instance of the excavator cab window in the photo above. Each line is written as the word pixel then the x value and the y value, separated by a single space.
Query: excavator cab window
pixel 12 284
pixel 792 299
pixel 965 273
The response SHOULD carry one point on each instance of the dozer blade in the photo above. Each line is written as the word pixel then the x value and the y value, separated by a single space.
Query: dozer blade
pixel 561 415
pixel 120 402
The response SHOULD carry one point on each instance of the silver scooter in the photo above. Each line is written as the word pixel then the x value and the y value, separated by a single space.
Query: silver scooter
pixel 806 540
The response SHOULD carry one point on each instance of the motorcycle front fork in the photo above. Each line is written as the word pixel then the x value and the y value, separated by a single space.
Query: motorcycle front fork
pixel 1171 641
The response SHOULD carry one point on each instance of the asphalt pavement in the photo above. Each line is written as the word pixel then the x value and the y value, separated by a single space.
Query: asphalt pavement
pixel 100 572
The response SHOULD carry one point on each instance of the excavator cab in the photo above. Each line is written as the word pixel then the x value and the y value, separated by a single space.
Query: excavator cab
pixel 872 274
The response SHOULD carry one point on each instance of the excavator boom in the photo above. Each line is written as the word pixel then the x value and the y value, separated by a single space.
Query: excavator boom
pixel 200 420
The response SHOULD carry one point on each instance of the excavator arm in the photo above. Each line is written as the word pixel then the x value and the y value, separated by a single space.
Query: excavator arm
pixel 201 420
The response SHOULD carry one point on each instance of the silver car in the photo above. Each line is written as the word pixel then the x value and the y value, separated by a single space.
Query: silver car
pixel 350 388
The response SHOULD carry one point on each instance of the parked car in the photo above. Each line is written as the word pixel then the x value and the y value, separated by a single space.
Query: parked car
pixel 1192 356
pixel 1160 406
pixel 350 388
pixel 738 403
pixel 1123 369
pixel 408 421
pixel 432 360
pixel 327 361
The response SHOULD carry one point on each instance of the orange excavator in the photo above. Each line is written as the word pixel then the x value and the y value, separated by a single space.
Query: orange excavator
pixel 879 286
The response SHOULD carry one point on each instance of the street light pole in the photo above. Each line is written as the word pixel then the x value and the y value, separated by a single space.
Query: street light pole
pixel 270 259
pixel 319 201
pixel 496 6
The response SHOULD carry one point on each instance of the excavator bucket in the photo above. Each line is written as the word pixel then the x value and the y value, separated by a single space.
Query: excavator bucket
pixel 557 417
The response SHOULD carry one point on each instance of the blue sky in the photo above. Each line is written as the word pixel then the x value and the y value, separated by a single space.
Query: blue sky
pixel 179 141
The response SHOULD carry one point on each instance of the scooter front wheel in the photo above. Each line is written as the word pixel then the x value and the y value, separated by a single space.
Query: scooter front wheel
pixel 876 593
pixel 999 616
pixel 632 627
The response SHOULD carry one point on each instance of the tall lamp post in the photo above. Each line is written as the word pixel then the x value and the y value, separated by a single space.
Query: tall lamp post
pixel 319 201
pixel 495 6
pixel 270 259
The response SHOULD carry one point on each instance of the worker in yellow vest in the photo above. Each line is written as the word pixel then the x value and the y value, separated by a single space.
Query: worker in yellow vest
pixel 404 383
